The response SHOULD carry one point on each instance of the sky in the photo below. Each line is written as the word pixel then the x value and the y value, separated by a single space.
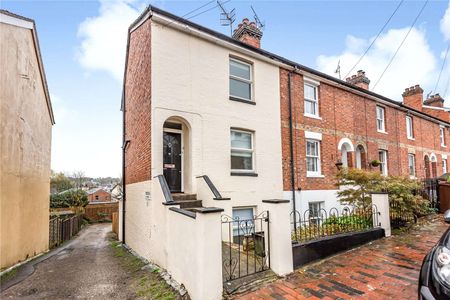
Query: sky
pixel 83 47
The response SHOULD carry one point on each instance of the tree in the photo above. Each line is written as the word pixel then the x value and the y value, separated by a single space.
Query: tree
pixel 78 177
pixel 59 182
pixel 70 198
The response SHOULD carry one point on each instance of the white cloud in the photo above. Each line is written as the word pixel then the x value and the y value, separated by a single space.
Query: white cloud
pixel 414 63
pixel 104 37
pixel 445 23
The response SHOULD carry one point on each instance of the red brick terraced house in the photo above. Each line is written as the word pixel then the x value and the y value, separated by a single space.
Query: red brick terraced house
pixel 197 102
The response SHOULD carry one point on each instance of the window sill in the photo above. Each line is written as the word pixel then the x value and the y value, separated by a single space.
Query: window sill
pixel 411 139
pixel 443 146
pixel 313 116
pixel 242 100
pixel 413 177
pixel 381 131
pixel 249 174
pixel 315 176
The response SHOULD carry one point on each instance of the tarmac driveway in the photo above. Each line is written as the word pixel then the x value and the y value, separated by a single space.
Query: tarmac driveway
pixel 384 269
pixel 88 267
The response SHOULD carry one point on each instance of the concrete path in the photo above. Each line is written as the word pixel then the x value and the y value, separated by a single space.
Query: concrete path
pixel 385 269
pixel 86 268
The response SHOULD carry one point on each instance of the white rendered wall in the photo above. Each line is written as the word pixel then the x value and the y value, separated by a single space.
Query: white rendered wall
pixel 190 79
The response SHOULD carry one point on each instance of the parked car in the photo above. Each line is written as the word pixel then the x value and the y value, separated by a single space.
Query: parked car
pixel 434 279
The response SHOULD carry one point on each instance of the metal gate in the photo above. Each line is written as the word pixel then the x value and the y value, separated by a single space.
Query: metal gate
pixel 245 246
pixel 430 191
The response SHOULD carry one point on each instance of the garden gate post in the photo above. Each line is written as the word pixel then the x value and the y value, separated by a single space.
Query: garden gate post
pixel 381 202
pixel 280 243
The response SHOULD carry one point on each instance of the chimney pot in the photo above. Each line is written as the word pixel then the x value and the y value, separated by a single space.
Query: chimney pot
pixel 360 80
pixel 247 32
pixel 434 100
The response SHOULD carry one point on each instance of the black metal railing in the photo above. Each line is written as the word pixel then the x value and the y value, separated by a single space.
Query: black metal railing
pixel 212 187
pixel 316 224
pixel 245 246
pixel 400 216
pixel 430 191
pixel 165 189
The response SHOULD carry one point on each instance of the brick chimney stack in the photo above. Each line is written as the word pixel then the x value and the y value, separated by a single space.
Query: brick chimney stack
pixel 413 97
pixel 247 32
pixel 434 100
pixel 360 80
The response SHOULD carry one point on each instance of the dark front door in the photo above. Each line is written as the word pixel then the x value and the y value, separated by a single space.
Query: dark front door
pixel 172 160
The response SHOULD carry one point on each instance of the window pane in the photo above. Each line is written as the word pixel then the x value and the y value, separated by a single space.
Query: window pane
pixel 311 164
pixel 310 92
pixel 241 140
pixel 310 107
pixel 311 148
pixel 239 69
pixel 241 160
pixel 240 89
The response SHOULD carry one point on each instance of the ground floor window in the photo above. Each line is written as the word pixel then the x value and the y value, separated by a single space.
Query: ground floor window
pixel 444 166
pixel 411 165
pixel 314 211
pixel 243 220
pixel 383 157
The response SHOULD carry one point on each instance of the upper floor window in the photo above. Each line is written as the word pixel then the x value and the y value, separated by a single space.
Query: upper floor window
pixel 383 157
pixel 312 157
pixel 442 136
pixel 241 150
pixel 412 165
pixel 311 99
pixel 409 128
pixel 381 126
pixel 241 81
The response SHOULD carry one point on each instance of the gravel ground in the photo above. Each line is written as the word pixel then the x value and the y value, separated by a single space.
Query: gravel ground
pixel 92 266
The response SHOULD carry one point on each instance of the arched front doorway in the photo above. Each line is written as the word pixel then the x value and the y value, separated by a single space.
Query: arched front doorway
pixel 346 148
pixel 176 139
pixel 426 161
pixel 360 156
pixel 433 160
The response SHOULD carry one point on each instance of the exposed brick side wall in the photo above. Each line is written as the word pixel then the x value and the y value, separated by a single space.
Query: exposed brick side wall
pixel 99 196
pixel 345 114
pixel 137 106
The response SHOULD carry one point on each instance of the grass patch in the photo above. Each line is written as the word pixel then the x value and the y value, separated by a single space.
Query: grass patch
pixel 150 286
pixel 147 285
pixel 8 275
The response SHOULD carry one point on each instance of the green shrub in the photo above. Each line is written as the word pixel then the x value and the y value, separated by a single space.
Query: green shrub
pixel 70 198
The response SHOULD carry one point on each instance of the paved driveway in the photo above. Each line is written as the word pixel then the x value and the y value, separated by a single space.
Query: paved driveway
pixel 88 267
pixel 385 269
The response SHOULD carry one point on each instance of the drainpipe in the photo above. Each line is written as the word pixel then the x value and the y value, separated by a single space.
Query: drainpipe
pixel 124 146
pixel 291 149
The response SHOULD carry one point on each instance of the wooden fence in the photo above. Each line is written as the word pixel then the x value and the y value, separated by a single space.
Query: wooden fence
pixel 444 195
pixel 115 222
pixel 101 212
pixel 63 229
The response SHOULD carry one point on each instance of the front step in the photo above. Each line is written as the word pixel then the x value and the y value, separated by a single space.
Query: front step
pixel 183 196
pixel 187 201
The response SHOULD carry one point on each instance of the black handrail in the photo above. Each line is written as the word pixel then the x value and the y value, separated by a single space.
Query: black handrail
pixel 165 189
pixel 214 190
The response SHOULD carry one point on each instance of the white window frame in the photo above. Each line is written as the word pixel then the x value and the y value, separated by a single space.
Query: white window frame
pixel 409 128
pixel 383 161
pixel 241 79
pixel 444 164
pixel 442 135
pixel 317 173
pixel 413 175
pixel 315 218
pixel 236 224
pixel 252 151
pixel 382 119
pixel 314 84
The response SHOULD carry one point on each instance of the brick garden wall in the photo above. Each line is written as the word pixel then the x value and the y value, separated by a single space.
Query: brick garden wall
pixel 346 114
pixel 137 106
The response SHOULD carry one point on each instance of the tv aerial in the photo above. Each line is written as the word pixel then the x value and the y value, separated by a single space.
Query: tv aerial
pixel 260 24
pixel 227 18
